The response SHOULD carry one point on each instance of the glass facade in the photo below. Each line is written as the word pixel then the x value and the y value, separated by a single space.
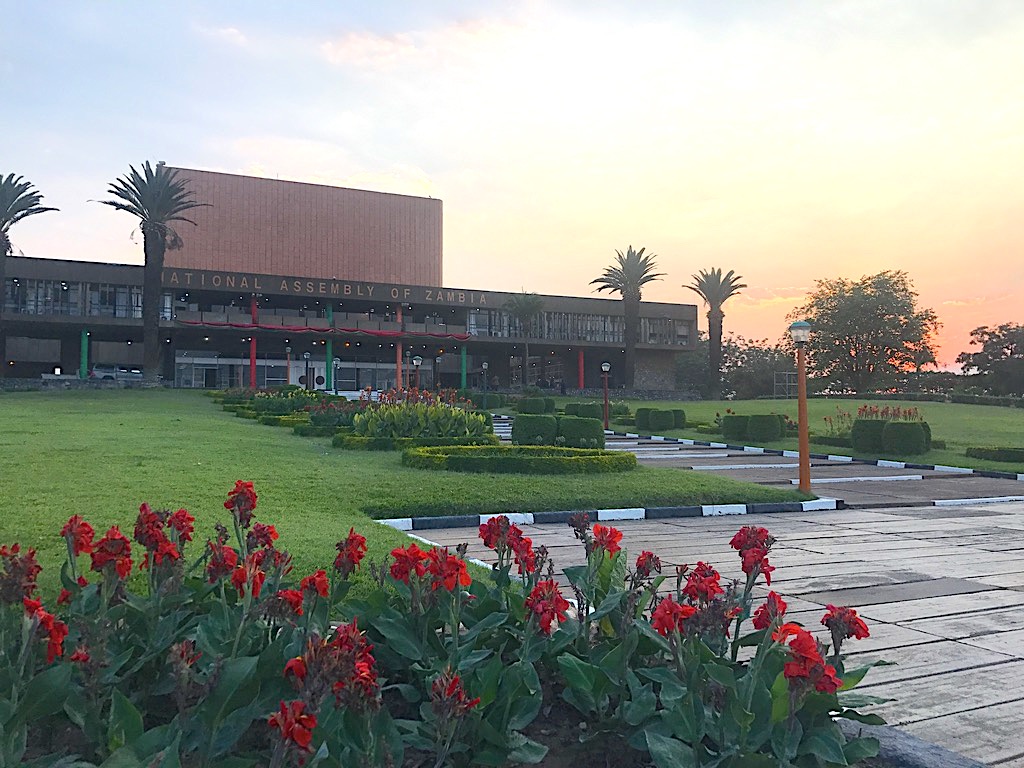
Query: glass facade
pixel 574 326
pixel 28 296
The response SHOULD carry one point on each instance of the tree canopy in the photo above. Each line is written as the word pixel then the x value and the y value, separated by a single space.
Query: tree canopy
pixel 867 331
pixel 1000 359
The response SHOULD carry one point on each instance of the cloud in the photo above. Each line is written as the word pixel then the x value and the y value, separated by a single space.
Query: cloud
pixel 231 35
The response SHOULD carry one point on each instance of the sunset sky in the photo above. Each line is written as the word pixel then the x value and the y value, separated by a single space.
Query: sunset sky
pixel 790 141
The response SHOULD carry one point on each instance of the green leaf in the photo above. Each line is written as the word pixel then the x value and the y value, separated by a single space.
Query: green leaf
pixel 233 674
pixel 125 724
pixel 609 604
pixel 852 677
pixel 578 673
pixel 45 693
pixel 470 660
pixel 668 752
pixel 672 690
pixel 826 743
pixel 689 719
pixel 523 711
pixel 860 749
pixel 780 699
pixel 642 702
pixel 525 750
pixel 786 739
pixel 722 675
pixel 867 719
pixel 400 636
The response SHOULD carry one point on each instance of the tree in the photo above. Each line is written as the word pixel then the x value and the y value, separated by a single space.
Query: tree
pixel 1000 359
pixel 749 366
pixel 524 308
pixel 18 200
pixel 865 332
pixel 627 277
pixel 157 197
pixel 715 289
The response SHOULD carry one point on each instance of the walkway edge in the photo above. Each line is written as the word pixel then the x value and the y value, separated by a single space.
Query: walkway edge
pixel 903 750
pixel 611 515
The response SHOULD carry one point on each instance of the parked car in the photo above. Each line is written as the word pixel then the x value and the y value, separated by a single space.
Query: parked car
pixel 115 372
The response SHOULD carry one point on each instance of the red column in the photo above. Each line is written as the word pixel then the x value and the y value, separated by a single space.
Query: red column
pixel 398 356
pixel 252 345
pixel 579 368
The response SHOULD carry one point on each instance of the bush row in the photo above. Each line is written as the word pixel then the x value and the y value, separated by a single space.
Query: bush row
pixel 570 431
pixel 358 443
pixel 531 460
pixel 653 419
pixel 1014 455
pixel 536 405
pixel 902 438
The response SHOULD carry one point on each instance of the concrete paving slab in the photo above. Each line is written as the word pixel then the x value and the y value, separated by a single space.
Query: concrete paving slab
pixel 970 625
pixel 901 592
pixel 916 661
pixel 1011 643
pixel 842 583
pixel 931 607
pixel 991 735
pixel 1004 580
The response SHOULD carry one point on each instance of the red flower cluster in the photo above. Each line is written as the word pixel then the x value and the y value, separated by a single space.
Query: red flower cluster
pixel 703 586
pixel 295 725
pixel 18 579
pixel 607 538
pixel 78 534
pixel 448 696
pixel 242 501
pixel 844 623
pixel 448 570
pixel 806 665
pixel 223 560
pixel 774 608
pixel 502 536
pixel 115 550
pixel 291 597
pixel 249 576
pixel 669 616
pixel 183 523
pixel 360 677
pixel 351 551
pixel 149 532
pixel 50 626
pixel 545 601
pixel 65 596
pixel 408 561
pixel 753 543
pixel 317 583
pixel 261 536
pixel 80 656
pixel 646 564
pixel 522 550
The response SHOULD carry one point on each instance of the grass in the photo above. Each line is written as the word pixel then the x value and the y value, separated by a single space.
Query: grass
pixel 961 426
pixel 100 454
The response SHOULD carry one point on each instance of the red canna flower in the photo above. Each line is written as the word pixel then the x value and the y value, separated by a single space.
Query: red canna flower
pixel 755 560
pixel 64 598
pixel 49 625
pixel 806 666
pixel 494 531
pixel 846 621
pixel 296 668
pixel 182 522
pixel 351 551
pixel 20 571
pixel 293 598
pixel 184 654
pixel 113 549
pixel 545 601
pixel 317 583
pixel 750 537
pixel 408 561
pixel 448 570
pixel 222 562
pixel 607 538
pixel 669 616
pixel 79 535
pixel 261 536
pixel 249 576
pixel 80 656
pixel 242 501
pixel 774 608
pixel 703 586
pixel 295 725
pixel 448 696
pixel 646 564
pixel 522 550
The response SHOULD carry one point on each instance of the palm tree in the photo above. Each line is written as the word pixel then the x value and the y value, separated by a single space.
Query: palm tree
pixel 18 200
pixel 524 308
pixel 627 277
pixel 157 197
pixel 715 289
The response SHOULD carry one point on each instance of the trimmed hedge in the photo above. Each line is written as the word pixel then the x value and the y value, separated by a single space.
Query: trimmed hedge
pixel 1006 402
pixel 531 405
pixel 1013 455
pixel 534 429
pixel 549 404
pixel 532 460
pixel 309 430
pixel 903 438
pixel 678 418
pixel 572 409
pixel 764 427
pixel 866 435
pixel 833 440
pixel 591 411
pixel 643 418
pixel 660 420
pixel 734 426
pixel 356 443
pixel 581 432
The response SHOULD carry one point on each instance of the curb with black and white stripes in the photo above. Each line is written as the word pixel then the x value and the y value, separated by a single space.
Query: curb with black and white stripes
pixel 611 515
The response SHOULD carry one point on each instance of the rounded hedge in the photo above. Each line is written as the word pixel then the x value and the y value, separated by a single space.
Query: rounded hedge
pixel 764 427
pixel 572 409
pixel 734 426
pixel 549 404
pixel 578 432
pixel 660 420
pixel 531 405
pixel 679 418
pixel 531 460
pixel 866 435
pixel 534 429
pixel 1015 455
pixel 591 411
pixel 903 438
pixel 927 435
pixel 642 416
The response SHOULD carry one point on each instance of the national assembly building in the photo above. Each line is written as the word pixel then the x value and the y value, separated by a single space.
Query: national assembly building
pixel 285 282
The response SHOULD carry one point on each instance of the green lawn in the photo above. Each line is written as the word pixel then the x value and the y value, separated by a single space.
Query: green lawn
pixel 959 425
pixel 100 454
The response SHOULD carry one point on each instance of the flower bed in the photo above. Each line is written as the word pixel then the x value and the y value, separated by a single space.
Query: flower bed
pixel 228 657
pixel 357 443
pixel 532 460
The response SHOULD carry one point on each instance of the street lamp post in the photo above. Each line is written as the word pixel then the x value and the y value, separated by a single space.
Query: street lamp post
pixel 437 372
pixel 483 367
pixel 305 357
pixel 801 332
pixel 288 365
pixel 605 367
pixel 337 369
pixel 416 363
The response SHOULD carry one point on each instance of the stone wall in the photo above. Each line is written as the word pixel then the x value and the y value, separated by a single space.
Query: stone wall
pixel 655 370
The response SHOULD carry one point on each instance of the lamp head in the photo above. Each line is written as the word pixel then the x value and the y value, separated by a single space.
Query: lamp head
pixel 417 361
pixel 605 367
pixel 484 365
pixel 801 332
pixel 305 355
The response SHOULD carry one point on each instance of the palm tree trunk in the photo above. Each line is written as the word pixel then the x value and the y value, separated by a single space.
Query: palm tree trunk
pixel 631 330
pixel 154 245
pixel 4 245
pixel 715 318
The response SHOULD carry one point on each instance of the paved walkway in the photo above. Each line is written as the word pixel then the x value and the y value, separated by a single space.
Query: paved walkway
pixel 941 588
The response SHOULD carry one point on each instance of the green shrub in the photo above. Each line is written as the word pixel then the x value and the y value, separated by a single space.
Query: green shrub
pixel 620 408
pixel 866 435
pixel 591 411
pixel 270 421
pixel 534 429
pixel 833 440
pixel 335 414
pixel 764 427
pixel 1014 455
pixel 357 443
pixel 533 460
pixel 678 418
pixel 488 418
pixel 783 423
pixel 493 400
pixel 549 405
pixel 418 420
pixel 643 418
pixel 308 430
pixel 734 426
pixel 572 409
pixel 903 438
pixel 578 432
pixel 660 420
pixel 927 435
pixel 707 429
pixel 246 413
pixel 531 405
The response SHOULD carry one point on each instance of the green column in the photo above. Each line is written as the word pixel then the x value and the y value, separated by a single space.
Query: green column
pixel 330 350
pixel 462 360
pixel 83 357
